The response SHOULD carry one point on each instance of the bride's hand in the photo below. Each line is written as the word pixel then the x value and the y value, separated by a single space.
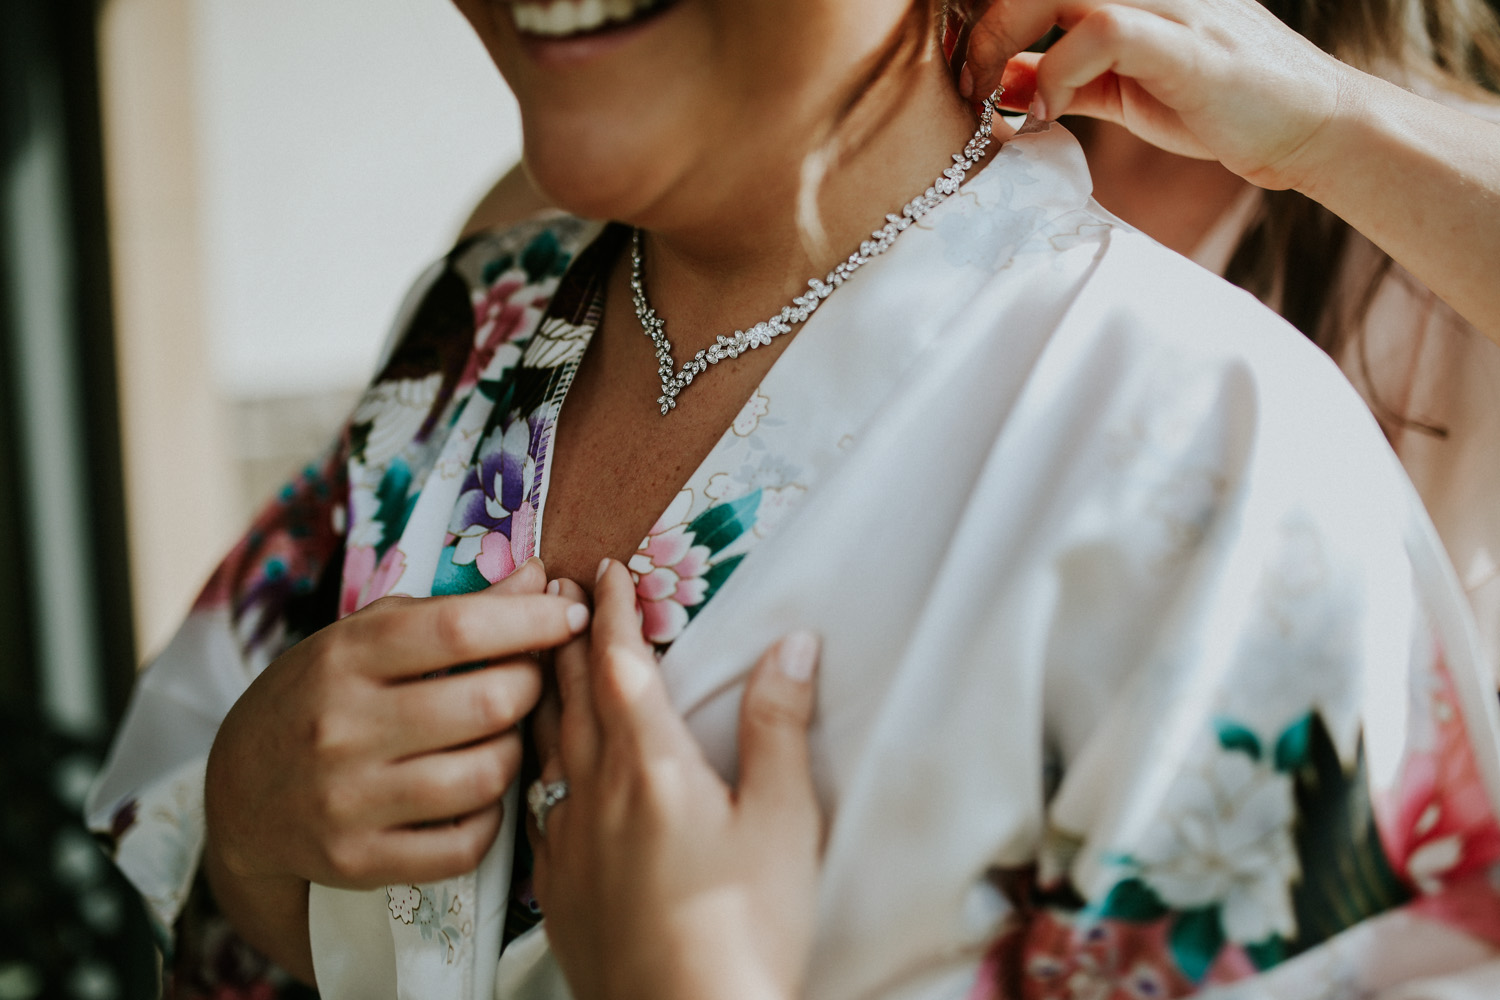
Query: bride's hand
pixel 657 879
pixel 1212 79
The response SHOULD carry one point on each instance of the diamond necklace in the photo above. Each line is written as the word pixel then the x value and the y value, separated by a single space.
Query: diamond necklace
pixel 673 380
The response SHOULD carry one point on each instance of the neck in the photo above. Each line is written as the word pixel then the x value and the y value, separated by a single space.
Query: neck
pixel 1173 199
pixel 729 254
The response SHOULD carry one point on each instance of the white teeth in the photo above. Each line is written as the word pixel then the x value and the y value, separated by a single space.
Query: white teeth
pixel 560 18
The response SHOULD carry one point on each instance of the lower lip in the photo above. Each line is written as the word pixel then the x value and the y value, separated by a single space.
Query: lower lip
pixel 560 52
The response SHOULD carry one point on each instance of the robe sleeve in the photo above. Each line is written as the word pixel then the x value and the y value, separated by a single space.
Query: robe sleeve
pixel 279 584
pixel 1290 781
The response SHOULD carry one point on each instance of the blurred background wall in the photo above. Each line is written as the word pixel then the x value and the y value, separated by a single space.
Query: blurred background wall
pixel 209 210
pixel 278 172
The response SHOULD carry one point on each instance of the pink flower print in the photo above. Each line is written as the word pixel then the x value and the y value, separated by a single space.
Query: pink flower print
pixel 669 570
pixel 497 321
pixel 365 580
pixel 1441 827
pixel 499 555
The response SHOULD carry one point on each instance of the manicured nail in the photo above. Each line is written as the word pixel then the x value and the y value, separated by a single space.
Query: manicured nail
pixel 603 565
pixel 578 618
pixel 554 587
pixel 1038 109
pixel 966 82
pixel 798 656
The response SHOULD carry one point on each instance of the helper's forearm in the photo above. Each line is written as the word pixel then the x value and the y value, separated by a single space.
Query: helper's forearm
pixel 1421 181
pixel 270 914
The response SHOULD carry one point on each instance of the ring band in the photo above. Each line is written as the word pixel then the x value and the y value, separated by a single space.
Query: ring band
pixel 541 797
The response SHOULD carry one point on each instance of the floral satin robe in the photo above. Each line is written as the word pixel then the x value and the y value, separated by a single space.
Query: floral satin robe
pixel 1144 675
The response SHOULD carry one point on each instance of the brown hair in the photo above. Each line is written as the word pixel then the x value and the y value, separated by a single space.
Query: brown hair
pixel 1292 255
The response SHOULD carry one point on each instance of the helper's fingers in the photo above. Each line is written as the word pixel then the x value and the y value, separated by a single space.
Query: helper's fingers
pixel 995 33
pixel 452 711
pixel 775 771
pixel 404 638
pixel 1003 29
pixel 629 697
pixel 1142 46
pixel 578 728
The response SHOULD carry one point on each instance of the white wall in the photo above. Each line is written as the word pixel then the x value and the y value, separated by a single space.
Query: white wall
pixel 279 171
pixel 339 146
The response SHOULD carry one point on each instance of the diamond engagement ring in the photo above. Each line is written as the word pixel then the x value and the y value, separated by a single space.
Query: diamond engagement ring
pixel 541 797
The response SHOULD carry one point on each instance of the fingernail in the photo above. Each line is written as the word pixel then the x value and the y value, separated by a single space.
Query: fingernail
pixel 1038 109
pixel 603 565
pixel 798 656
pixel 554 587
pixel 966 82
pixel 578 617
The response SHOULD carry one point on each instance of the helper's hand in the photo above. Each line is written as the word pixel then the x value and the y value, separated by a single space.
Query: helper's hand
pixel 345 763
pixel 1212 79
pixel 657 879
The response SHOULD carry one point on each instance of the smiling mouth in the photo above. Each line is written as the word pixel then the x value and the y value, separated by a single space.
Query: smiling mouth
pixel 565 19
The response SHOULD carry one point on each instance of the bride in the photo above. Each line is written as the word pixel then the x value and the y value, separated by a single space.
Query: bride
pixel 1117 584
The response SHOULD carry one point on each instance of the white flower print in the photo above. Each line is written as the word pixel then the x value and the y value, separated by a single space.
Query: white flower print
pixel 403 901
pixel 557 343
pixel 395 412
pixel 749 416
pixel 1225 838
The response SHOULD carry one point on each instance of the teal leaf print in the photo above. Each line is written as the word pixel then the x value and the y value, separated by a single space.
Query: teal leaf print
pixel 452 578
pixel 1292 745
pixel 1233 736
pixel 1133 901
pixel 1195 940
pixel 396 503
pixel 544 258
pixel 722 524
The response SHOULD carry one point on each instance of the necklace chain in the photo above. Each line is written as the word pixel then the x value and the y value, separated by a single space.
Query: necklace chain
pixel 674 380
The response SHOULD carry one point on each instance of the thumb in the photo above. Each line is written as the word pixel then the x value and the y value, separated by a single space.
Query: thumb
pixel 528 578
pixel 775 770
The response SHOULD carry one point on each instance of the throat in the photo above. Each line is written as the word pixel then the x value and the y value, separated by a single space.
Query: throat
pixel 677 373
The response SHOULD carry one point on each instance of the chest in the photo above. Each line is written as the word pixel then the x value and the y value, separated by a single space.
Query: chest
pixel 617 461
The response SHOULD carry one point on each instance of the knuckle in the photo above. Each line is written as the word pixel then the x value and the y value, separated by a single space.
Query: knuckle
pixel 495 706
pixel 453 628
pixel 328 736
pixel 766 712
pixel 347 859
pixel 1109 25
pixel 339 804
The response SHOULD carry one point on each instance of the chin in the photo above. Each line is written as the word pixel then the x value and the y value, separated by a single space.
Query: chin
pixel 605 172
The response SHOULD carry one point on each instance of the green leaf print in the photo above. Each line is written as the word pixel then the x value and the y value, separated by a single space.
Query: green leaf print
pixel 1195 940
pixel 720 525
pixel 1345 875
pixel 1233 736
pixel 1133 901
pixel 1267 953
